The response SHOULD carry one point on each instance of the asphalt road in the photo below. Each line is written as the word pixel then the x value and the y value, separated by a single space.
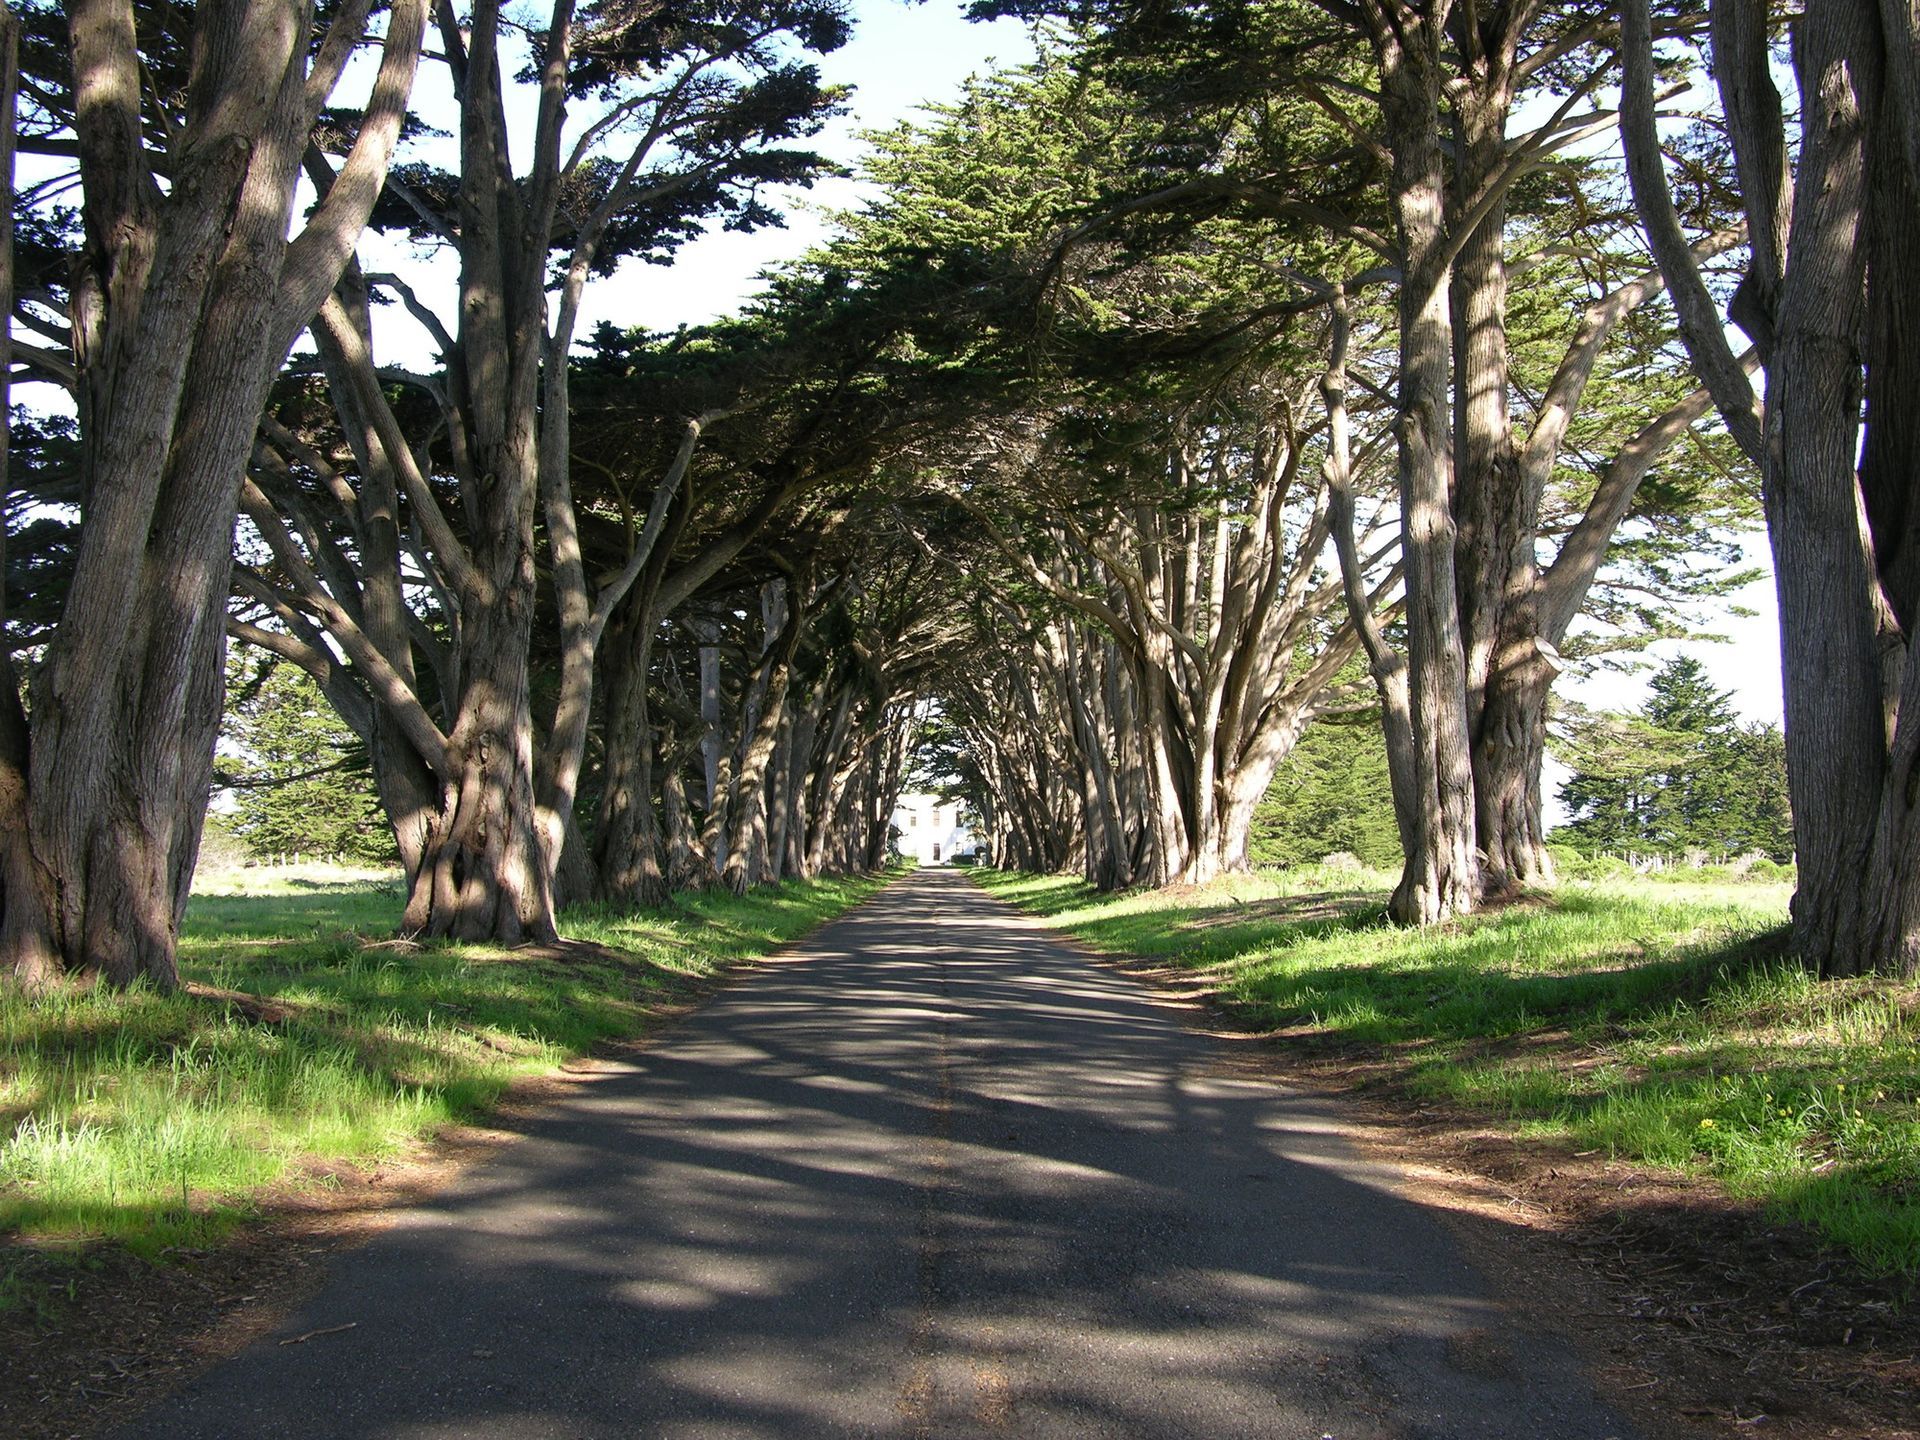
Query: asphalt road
pixel 928 1175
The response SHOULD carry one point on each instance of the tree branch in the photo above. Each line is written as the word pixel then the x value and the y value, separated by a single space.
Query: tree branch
pixel 1733 392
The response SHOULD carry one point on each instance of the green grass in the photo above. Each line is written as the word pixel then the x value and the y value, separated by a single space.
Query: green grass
pixel 1654 1020
pixel 153 1121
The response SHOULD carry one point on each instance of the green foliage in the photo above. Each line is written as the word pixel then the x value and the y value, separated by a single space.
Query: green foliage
pixel 1109 318
pixel 156 1120
pixel 1331 794
pixel 1682 774
pixel 299 778
pixel 1682 540
pixel 720 78
pixel 1653 1021
pixel 42 524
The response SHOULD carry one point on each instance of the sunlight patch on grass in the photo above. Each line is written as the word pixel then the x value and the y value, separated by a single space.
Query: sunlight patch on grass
pixel 153 1121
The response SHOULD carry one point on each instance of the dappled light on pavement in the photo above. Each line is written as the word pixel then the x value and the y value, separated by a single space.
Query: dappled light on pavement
pixel 929 1175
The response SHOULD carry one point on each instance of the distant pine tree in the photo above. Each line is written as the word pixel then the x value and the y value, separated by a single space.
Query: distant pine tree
pixel 1760 817
pixel 1680 774
pixel 299 778
pixel 1330 795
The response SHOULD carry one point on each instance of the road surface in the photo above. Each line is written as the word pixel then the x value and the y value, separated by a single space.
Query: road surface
pixel 930 1174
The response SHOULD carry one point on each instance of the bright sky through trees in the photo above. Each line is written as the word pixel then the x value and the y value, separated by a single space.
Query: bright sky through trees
pixel 901 58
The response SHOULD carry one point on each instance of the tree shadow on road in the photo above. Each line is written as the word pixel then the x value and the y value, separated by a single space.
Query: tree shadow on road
pixel 881 1193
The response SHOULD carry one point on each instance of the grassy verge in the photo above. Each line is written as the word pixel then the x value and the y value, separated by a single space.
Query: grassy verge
pixel 154 1121
pixel 1654 1020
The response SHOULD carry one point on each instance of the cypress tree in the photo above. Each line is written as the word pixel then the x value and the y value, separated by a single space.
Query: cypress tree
pixel 1680 774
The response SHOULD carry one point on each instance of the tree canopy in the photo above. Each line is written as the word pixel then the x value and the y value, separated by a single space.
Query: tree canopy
pixel 1230 379
pixel 1681 775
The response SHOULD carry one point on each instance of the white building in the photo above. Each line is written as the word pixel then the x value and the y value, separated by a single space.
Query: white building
pixel 930 829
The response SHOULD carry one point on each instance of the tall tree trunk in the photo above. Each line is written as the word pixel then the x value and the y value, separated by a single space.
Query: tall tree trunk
pixel 32 960
pixel 748 861
pixel 403 780
pixel 1497 508
pixel 833 771
pixel 716 754
pixel 1831 618
pixel 1109 864
pixel 1388 666
pixel 882 791
pixel 1836 510
pixel 1442 875
pixel 627 836
pixel 687 867
pixel 182 307
pixel 779 798
pixel 802 756
pixel 1172 850
pixel 484 874
pixel 583 612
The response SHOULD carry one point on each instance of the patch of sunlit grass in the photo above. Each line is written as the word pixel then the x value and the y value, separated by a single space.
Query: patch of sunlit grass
pixel 154 1121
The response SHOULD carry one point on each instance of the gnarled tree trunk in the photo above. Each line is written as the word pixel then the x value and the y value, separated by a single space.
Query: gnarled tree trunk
pixel 185 301
pixel 627 836
pixel 1813 292
pixel 484 873
pixel 749 861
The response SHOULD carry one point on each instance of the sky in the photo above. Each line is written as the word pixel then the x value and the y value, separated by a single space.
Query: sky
pixel 1746 664
pixel 901 57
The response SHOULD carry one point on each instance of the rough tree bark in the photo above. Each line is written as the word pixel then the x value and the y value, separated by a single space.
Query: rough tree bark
pixel 185 301
pixel 1442 876
pixel 485 870
pixel 627 837
pixel 1838 515
pixel 749 862
pixel 1497 512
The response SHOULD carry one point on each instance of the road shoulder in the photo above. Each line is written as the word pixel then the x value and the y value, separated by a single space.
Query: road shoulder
pixel 1695 1314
